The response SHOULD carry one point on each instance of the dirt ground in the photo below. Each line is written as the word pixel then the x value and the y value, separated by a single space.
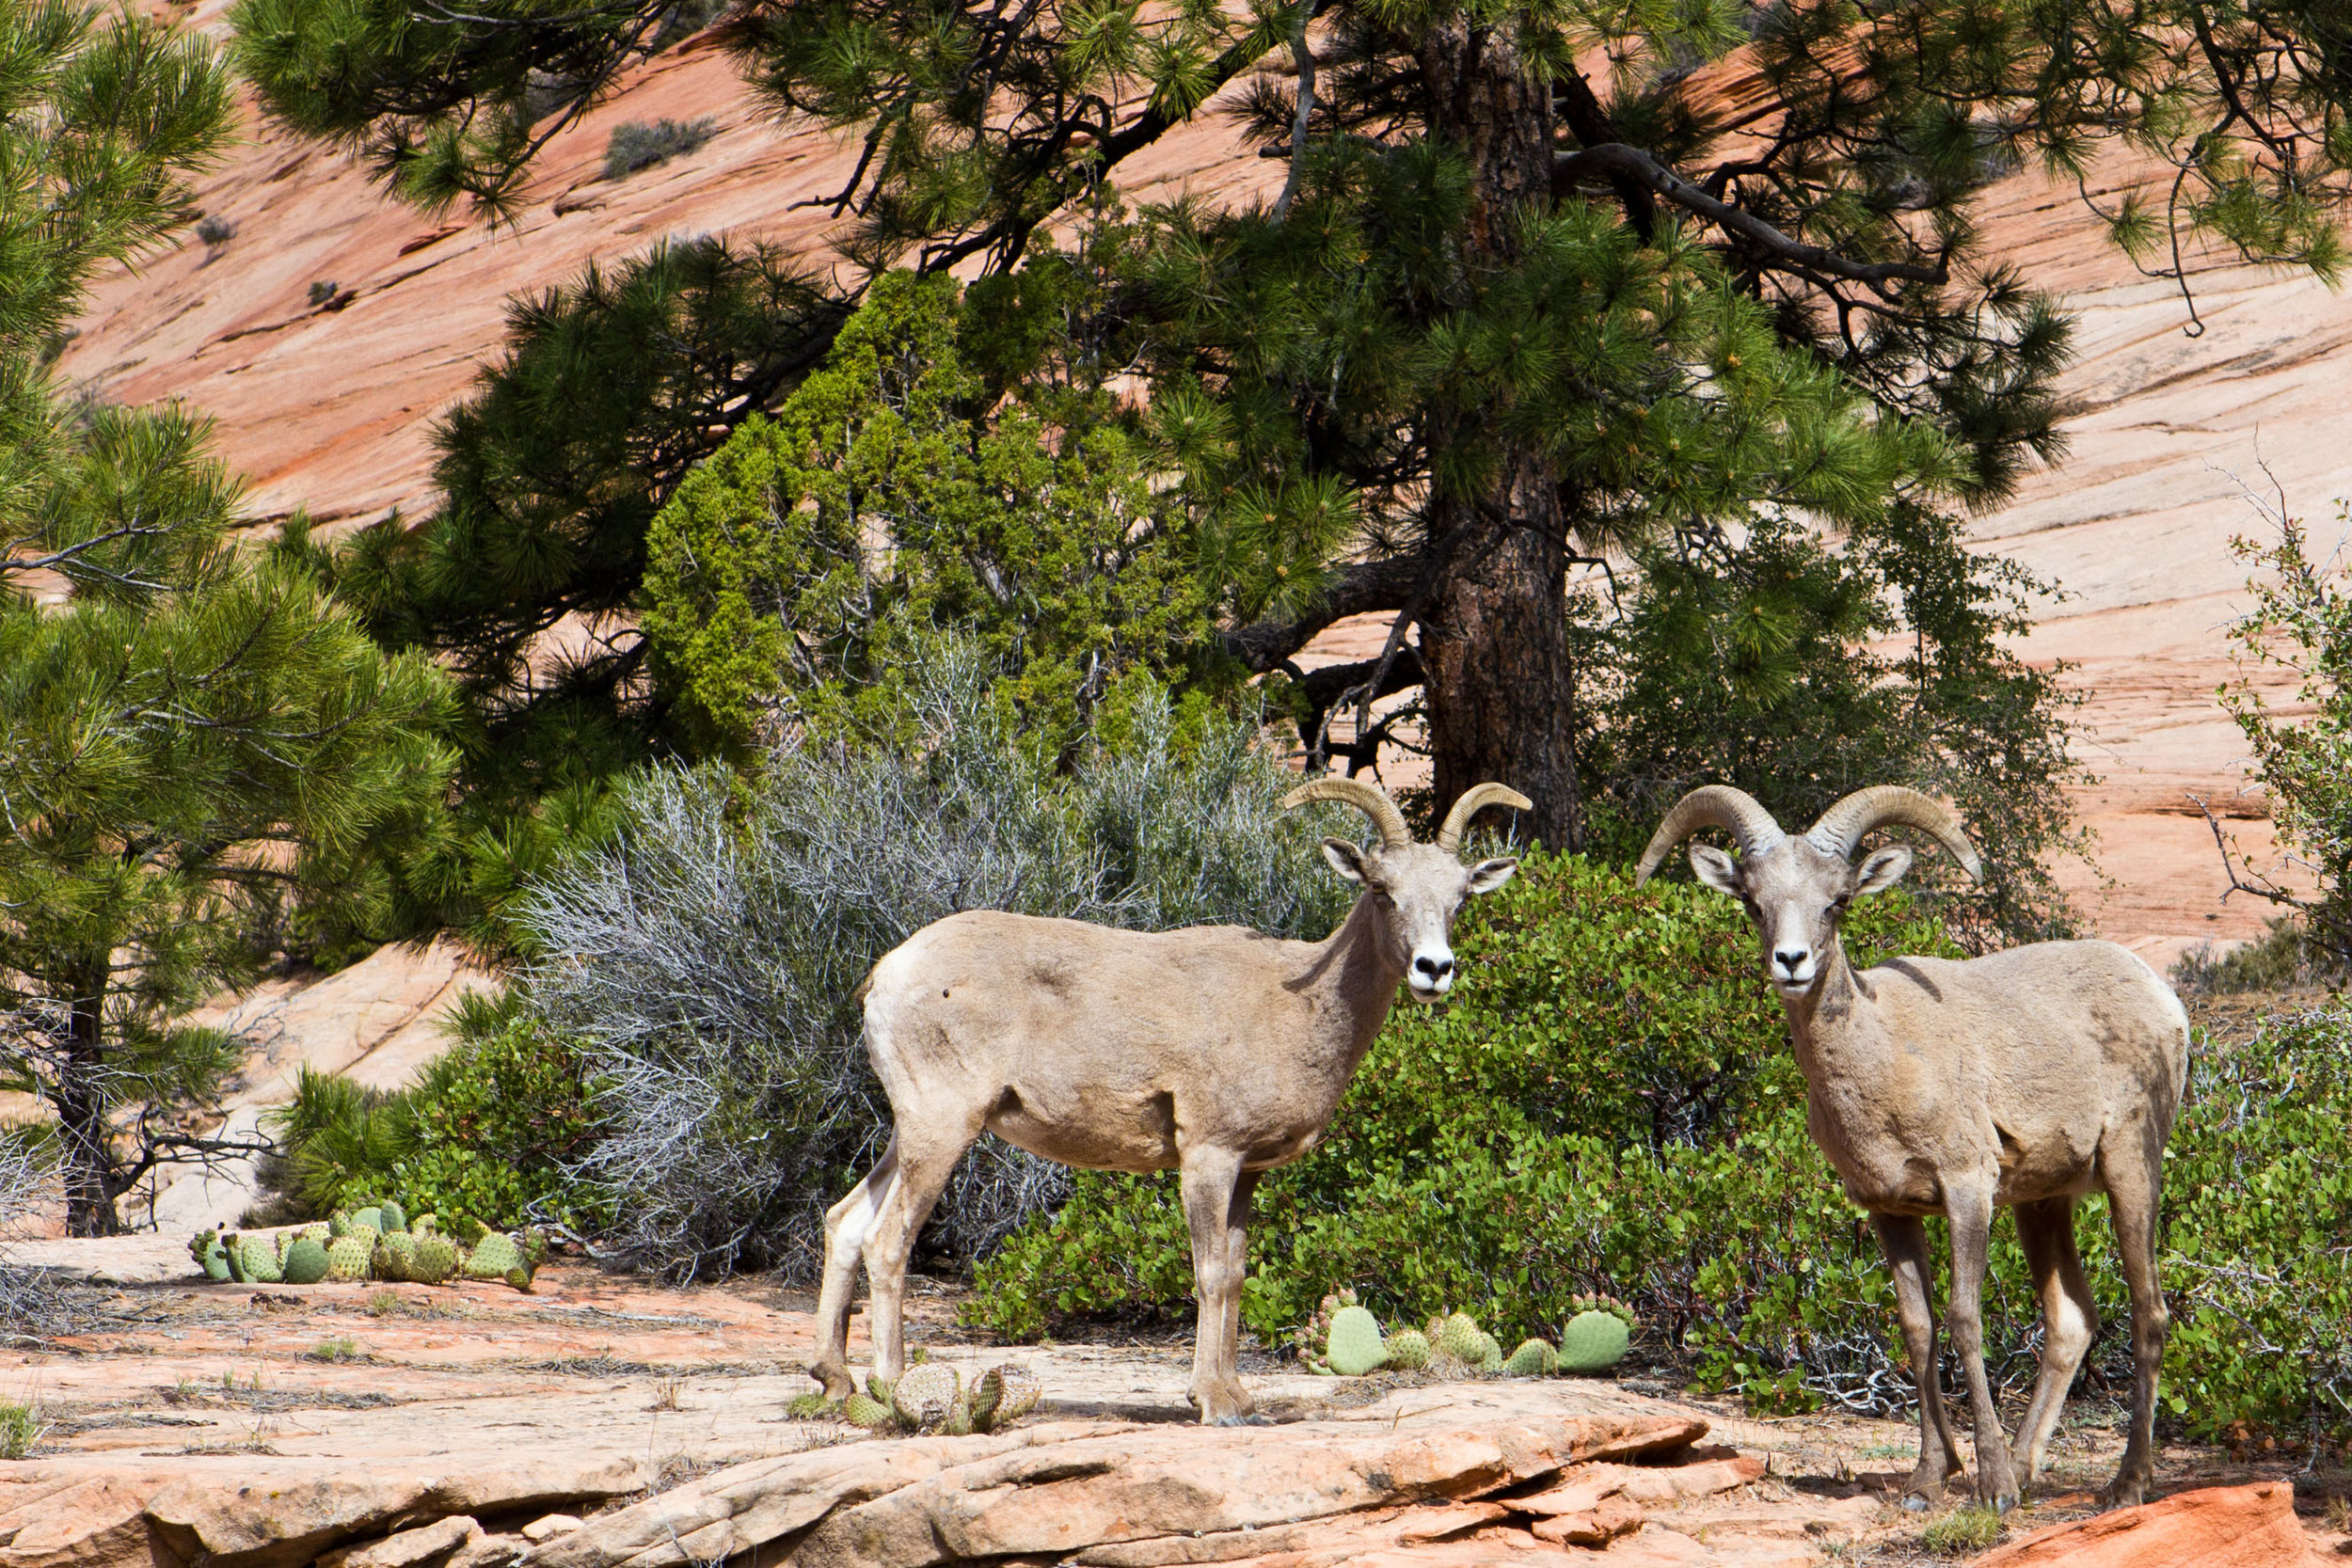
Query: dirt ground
pixel 694 1379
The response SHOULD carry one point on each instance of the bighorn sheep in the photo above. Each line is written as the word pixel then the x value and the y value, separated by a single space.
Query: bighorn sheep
pixel 1215 1051
pixel 1936 1087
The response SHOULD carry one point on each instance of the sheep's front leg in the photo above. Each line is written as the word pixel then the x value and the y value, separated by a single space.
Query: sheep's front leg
pixel 1905 1241
pixel 1217 1209
pixel 2135 1175
pixel 1970 1209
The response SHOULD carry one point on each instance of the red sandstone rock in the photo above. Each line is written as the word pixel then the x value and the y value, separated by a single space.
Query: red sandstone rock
pixel 2219 1526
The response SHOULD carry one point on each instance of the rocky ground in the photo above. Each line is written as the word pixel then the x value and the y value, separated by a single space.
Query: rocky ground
pixel 463 1427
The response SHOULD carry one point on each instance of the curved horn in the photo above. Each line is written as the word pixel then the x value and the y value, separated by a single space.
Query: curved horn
pixel 1477 798
pixel 1712 806
pixel 1841 826
pixel 1368 798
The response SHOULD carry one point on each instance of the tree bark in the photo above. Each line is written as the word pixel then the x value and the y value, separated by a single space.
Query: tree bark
pixel 81 1103
pixel 1495 636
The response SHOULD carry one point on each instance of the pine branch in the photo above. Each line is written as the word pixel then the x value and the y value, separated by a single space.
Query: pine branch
pixel 1370 585
pixel 1614 161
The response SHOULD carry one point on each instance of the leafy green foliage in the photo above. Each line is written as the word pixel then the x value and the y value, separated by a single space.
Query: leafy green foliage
pixel 487 1132
pixel 639 145
pixel 795 569
pixel 2301 620
pixel 202 759
pixel 1640 1127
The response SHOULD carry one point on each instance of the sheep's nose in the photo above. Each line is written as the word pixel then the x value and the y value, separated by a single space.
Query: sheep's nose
pixel 1437 968
pixel 1788 958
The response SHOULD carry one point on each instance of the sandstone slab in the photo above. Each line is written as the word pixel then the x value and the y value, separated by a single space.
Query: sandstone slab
pixel 2217 1526
pixel 409 1549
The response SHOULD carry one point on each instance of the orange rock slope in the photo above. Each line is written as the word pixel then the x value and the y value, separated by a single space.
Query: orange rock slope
pixel 329 407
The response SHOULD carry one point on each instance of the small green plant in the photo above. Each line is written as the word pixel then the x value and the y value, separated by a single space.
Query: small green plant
pixel 214 231
pixel 337 1349
pixel 384 1304
pixel 1964 1531
pixel 321 291
pixel 808 1407
pixel 637 146
pixel 21 1429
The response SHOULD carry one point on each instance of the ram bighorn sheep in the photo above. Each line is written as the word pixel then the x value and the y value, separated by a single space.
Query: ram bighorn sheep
pixel 2024 1078
pixel 1216 1051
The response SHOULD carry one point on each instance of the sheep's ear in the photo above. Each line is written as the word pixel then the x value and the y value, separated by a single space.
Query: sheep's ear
pixel 1487 875
pixel 1882 871
pixel 1346 859
pixel 1715 868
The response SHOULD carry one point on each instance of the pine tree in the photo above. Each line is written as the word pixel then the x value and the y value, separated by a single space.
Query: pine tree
pixel 1486 430
pixel 200 753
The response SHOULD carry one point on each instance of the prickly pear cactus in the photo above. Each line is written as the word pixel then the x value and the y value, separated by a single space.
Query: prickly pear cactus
pixel 395 1256
pixel 368 1219
pixel 469 1230
pixel 1408 1350
pixel 925 1395
pixel 1313 1337
pixel 305 1262
pixel 534 1248
pixel 1022 1390
pixel 431 1259
pixel 1593 1342
pixel 1459 1337
pixel 1490 1356
pixel 1353 1347
pixel 256 1260
pixel 871 1414
pixel 1534 1358
pixel 348 1255
pixel 210 1256
pixel 519 1278
pixel 395 1217
pixel 492 1255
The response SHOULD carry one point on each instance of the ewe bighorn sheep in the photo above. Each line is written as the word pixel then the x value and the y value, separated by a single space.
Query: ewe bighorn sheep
pixel 1935 1086
pixel 1215 1051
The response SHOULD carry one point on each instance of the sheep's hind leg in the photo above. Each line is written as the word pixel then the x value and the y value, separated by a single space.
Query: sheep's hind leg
pixel 2135 1193
pixel 1970 1209
pixel 846 1225
pixel 1904 1240
pixel 2070 1320
pixel 1216 1195
pixel 928 1145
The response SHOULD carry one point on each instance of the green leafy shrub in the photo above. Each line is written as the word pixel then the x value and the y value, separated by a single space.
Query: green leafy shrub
pixel 1640 1127
pixel 635 145
pixel 487 1131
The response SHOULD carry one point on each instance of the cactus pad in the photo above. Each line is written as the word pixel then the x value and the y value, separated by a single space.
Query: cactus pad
pixel 395 1254
pixel 1407 1349
pixel 348 1255
pixel 1593 1342
pixel 1534 1358
pixel 1460 1336
pixel 305 1262
pixel 1002 1396
pixel 395 1217
pixel 368 1219
pixel 431 1259
pixel 871 1414
pixel 492 1256
pixel 256 1260
pixel 1353 1347
pixel 925 1395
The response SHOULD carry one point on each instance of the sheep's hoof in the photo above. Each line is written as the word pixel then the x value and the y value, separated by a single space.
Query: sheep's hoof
pixel 2124 1493
pixel 835 1381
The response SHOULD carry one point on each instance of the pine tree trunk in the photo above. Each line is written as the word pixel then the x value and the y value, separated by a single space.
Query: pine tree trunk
pixel 81 1103
pixel 1495 637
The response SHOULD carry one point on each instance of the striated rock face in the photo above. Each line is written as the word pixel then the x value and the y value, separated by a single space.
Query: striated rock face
pixel 2219 1526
